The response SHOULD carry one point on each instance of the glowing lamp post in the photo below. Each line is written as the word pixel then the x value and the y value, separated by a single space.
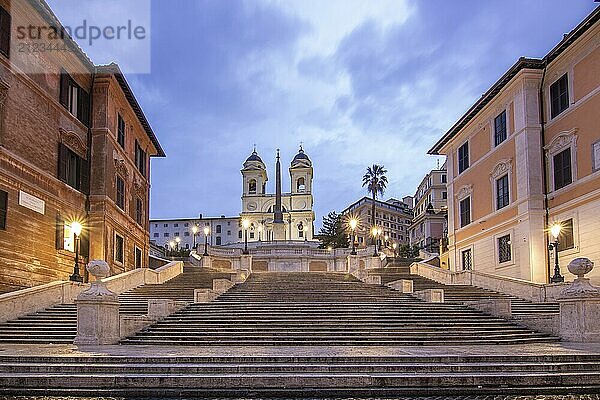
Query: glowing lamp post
pixel 206 233
pixel 555 231
pixel 194 233
pixel 245 225
pixel 259 229
pixel 394 246
pixel 353 225
pixel 305 229
pixel 376 232
pixel 76 229
pixel 177 241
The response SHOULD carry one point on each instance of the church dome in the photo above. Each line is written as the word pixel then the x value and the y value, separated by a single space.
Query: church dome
pixel 301 160
pixel 254 161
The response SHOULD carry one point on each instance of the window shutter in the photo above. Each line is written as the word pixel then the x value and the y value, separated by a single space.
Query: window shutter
pixel 60 232
pixel 62 162
pixel 64 88
pixel 5 24
pixel 84 176
pixel 83 112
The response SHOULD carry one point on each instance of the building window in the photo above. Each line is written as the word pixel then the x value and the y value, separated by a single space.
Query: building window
pixel 166 234
pixel 444 195
pixel 139 211
pixel 176 225
pixel 176 234
pixel 218 230
pixel 562 169
pixel 300 233
pixel 3 208
pixel 301 184
pixel 138 257
pixel 140 159
pixel 5 25
pixel 463 157
pixel 465 211
pixel 502 194
pixel 186 234
pixel 156 234
pixel 252 186
pixel 72 169
pixel 467 259
pixel 228 233
pixel 444 178
pixel 239 234
pixel 120 184
pixel 500 128
pixel 119 248
pixel 187 224
pixel 74 98
pixel 504 249
pixel 566 239
pixel 559 96
pixel 218 240
pixel 121 131
pixel 166 225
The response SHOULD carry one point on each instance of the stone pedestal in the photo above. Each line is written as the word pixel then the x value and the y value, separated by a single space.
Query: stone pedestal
pixel 498 307
pixel 431 295
pixel 402 285
pixel 205 295
pixel 580 306
pixel 207 261
pixel 222 285
pixel 375 263
pixel 97 310
pixel 352 264
pixel 246 262
pixel 579 319
pixel 279 231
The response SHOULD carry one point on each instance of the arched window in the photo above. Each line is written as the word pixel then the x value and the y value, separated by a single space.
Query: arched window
pixel 187 246
pixel 252 186
pixel 301 184
pixel 218 240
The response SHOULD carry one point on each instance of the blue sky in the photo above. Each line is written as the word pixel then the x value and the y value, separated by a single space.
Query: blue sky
pixel 358 82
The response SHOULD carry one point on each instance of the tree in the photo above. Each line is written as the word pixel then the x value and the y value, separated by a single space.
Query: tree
pixel 376 182
pixel 332 233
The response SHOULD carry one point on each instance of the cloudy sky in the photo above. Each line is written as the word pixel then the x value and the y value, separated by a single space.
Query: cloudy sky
pixel 358 82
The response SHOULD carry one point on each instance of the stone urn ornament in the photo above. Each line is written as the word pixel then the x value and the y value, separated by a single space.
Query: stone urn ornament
pixel 581 287
pixel 98 269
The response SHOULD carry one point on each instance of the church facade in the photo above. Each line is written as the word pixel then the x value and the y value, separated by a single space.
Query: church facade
pixel 278 216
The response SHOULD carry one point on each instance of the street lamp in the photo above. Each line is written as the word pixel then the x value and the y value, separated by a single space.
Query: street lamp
pixel 555 231
pixel 194 233
pixel 177 240
pixel 386 237
pixel 206 233
pixel 245 225
pixel 375 232
pixel 259 229
pixel 394 245
pixel 76 229
pixel 305 232
pixel 171 245
pixel 353 225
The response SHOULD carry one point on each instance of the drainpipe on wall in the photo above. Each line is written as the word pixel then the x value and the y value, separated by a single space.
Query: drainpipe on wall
pixel 544 173
pixel 89 172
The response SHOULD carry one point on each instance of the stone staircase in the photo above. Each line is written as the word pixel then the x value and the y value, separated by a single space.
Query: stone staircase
pixel 58 324
pixel 327 309
pixel 458 294
pixel 300 376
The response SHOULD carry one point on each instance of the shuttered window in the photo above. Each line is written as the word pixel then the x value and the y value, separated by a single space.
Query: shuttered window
pixel 559 96
pixel 465 212
pixel 119 248
pixel 121 131
pixel 463 157
pixel 139 210
pixel 74 98
pixel 120 200
pixel 72 169
pixel 500 128
pixel 140 159
pixel 5 24
pixel 562 169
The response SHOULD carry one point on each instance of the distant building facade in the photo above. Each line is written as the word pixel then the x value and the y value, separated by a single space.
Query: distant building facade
pixel 393 216
pixel 222 231
pixel 429 223
pixel 73 147
pixel 526 156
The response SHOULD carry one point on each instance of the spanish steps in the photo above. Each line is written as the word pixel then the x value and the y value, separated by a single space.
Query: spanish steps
pixel 58 324
pixel 458 294
pixel 327 309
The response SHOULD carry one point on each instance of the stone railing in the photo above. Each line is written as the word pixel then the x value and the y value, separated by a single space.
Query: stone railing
pixel 523 289
pixel 30 300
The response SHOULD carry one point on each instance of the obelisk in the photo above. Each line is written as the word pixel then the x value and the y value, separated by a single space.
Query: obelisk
pixel 278 224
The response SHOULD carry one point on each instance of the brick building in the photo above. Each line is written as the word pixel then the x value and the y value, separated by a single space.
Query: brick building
pixel 73 147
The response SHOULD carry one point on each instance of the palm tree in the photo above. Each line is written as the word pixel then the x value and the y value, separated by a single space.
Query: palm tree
pixel 376 182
